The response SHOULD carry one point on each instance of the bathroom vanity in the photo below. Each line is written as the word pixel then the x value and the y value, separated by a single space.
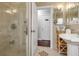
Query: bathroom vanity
pixel 72 43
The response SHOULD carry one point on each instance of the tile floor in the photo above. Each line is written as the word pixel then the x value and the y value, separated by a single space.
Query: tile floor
pixel 50 51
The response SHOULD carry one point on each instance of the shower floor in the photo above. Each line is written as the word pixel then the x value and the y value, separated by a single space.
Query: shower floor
pixel 13 52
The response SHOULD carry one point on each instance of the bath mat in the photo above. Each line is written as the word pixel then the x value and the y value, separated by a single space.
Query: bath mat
pixel 43 53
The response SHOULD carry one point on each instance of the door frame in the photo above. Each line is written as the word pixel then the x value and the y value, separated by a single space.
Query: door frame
pixel 29 42
pixel 51 24
pixel 29 21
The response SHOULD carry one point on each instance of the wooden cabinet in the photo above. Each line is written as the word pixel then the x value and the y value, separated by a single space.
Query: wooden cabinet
pixel 61 45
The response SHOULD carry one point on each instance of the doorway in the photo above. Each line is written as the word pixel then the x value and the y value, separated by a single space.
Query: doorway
pixel 44 27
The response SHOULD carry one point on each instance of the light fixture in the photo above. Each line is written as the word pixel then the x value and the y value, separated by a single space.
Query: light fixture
pixel 14 10
pixel 60 6
pixel 68 6
pixel 11 11
pixel 8 11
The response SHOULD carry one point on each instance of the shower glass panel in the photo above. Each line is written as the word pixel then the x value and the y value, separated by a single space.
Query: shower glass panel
pixel 12 27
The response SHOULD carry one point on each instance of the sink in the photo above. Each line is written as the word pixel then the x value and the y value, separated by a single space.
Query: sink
pixel 70 37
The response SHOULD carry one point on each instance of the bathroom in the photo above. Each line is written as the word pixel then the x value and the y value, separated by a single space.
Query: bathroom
pixel 62 20
pixel 39 28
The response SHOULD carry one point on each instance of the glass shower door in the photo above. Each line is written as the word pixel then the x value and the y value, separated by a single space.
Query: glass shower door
pixel 12 36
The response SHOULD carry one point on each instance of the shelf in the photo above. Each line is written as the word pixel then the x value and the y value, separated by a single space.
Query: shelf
pixel 61 45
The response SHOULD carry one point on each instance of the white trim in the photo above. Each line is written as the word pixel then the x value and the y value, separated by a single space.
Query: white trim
pixel 28 44
pixel 42 7
pixel 34 27
pixel 49 6
pixel 28 27
pixel 51 28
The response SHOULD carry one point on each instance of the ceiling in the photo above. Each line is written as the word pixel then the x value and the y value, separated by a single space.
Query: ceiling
pixel 48 3
pixel 11 4
pixel 12 7
pixel 56 4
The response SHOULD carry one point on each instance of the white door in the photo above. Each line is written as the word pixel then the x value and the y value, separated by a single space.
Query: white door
pixel 34 30
pixel 44 24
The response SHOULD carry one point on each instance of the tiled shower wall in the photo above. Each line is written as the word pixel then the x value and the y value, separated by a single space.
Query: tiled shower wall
pixel 12 36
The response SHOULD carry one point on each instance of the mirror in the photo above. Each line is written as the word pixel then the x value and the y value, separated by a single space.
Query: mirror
pixel 59 19
pixel 58 16
pixel 66 15
pixel 72 16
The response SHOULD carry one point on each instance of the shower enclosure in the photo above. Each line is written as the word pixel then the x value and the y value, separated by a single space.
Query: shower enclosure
pixel 13 28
